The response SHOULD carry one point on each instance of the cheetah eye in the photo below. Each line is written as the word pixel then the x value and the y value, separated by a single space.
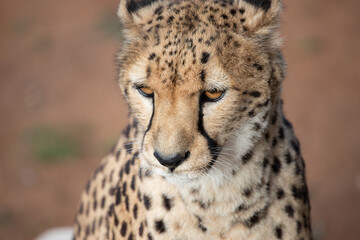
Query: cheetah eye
pixel 145 91
pixel 214 95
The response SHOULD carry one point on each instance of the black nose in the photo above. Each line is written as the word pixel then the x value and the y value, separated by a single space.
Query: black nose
pixel 172 161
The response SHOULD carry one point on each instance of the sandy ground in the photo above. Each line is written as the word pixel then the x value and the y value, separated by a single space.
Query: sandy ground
pixel 57 71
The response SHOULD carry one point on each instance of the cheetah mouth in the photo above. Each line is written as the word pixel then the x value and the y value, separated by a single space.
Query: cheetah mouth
pixel 182 175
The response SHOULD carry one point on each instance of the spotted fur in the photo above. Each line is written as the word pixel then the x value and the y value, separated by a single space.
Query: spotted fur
pixel 189 167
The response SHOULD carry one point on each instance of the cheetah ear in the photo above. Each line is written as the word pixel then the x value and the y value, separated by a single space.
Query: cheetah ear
pixel 133 12
pixel 261 16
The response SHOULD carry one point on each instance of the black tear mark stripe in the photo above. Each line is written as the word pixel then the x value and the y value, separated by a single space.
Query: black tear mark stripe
pixel 263 4
pixel 150 122
pixel 212 144
pixel 135 5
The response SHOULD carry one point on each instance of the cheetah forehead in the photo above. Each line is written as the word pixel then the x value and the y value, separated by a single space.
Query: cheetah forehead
pixel 216 77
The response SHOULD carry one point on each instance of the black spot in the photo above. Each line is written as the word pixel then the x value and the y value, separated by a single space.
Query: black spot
pixel 295 146
pixel 152 56
pixel 267 136
pixel 298 226
pixel 81 208
pixel 149 236
pixel 170 19
pixel 281 133
pixel 88 184
pixel 247 192
pixel 224 16
pixel 263 4
pixel 280 193
pixel 258 66
pixel 139 196
pixel 251 113
pixel 247 157
pixel 147 202
pixel 127 203
pixel 127 167
pixel 297 169
pixel 87 232
pixel 160 226
pixel 287 123
pixel 267 186
pixel 141 229
pixel 274 142
pixel 87 210
pixel 202 75
pixel 131 236
pixel 265 162
pixel 94 205
pixel 111 175
pixel 240 208
pixel 133 6
pixel 103 200
pixel 124 189
pixel 132 184
pixel 200 224
pixel 255 94
pixel 135 211
pixel 159 10
pixel 257 126
pixel 123 229
pixel 253 220
pixel 121 173
pixel 205 57
pixel 233 12
pixel 167 202
pixel 288 158
pixel 278 232
pixel 306 221
pixel 289 210
pixel 300 193
pixel 276 165
pixel 110 211
pixel 103 183
pixel 128 147
pixel 126 131
pixel 274 118
pixel 134 158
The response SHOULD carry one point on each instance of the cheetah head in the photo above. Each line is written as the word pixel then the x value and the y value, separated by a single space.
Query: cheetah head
pixel 200 78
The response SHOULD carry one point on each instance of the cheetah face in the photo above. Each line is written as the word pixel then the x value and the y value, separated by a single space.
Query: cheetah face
pixel 197 83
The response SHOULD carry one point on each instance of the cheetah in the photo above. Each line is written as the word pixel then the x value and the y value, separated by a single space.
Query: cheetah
pixel 208 153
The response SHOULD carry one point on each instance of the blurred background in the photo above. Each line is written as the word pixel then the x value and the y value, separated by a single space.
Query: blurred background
pixel 61 109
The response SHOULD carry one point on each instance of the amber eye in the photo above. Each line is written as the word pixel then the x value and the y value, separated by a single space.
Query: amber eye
pixel 145 91
pixel 214 95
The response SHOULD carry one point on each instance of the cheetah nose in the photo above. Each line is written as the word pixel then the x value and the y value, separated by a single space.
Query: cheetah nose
pixel 172 161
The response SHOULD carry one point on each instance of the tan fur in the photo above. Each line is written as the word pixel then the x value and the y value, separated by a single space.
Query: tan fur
pixel 243 176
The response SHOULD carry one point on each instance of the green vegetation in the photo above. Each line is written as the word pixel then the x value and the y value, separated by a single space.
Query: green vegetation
pixel 52 145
